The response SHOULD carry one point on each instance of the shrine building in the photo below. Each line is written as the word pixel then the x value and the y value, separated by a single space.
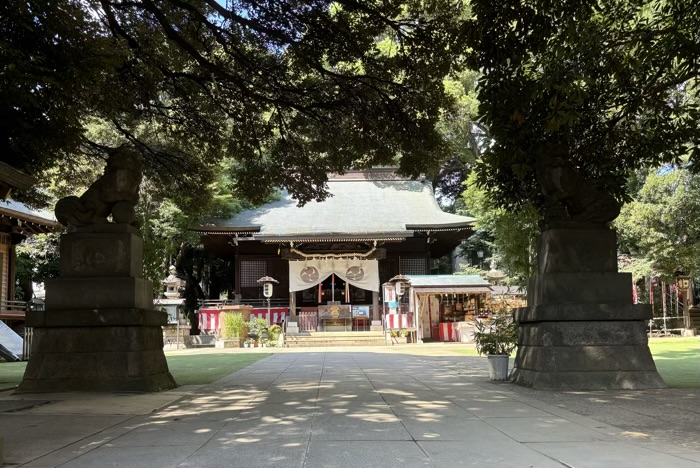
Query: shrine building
pixel 333 259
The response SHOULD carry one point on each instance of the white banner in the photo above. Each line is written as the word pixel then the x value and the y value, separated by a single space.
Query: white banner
pixel 361 273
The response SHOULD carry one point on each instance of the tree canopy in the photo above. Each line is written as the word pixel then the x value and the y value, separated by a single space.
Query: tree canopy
pixel 660 226
pixel 509 235
pixel 612 81
pixel 289 90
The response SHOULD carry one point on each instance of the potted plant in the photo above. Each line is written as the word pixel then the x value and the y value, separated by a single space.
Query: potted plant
pixel 402 336
pixel 258 328
pixel 231 330
pixel 496 338
pixel 274 332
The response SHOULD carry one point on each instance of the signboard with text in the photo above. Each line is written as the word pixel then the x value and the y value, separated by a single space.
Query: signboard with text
pixel 360 311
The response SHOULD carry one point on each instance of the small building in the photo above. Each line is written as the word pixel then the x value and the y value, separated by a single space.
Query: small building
pixel 332 257
pixel 445 306
pixel 17 222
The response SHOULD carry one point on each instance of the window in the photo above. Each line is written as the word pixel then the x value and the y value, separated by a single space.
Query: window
pixel 414 266
pixel 251 272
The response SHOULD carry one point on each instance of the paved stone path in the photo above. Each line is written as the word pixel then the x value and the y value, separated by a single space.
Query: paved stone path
pixel 330 409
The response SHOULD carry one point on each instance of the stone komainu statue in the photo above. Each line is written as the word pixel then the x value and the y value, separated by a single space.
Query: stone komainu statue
pixel 115 193
pixel 570 200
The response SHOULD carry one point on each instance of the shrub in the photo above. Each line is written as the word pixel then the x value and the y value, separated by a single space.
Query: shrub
pixel 274 332
pixel 499 336
pixel 232 324
pixel 258 328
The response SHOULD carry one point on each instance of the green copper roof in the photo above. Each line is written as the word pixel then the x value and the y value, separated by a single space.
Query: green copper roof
pixel 447 280
pixel 362 204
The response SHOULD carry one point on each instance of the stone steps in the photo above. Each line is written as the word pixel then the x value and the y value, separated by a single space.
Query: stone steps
pixel 694 314
pixel 328 339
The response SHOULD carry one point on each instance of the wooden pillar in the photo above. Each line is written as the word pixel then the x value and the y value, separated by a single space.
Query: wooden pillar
pixel 237 270
pixel 375 305
pixel 292 306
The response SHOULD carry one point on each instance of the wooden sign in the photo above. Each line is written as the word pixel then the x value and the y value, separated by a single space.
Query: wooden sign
pixel 327 312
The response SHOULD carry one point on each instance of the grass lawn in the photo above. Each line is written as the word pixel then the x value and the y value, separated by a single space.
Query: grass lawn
pixel 11 374
pixel 187 369
pixel 678 360
pixel 198 369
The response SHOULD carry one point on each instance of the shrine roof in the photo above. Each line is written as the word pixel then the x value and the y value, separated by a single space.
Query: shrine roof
pixel 447 280
pixel 32 221
pixel 372 204
pixel 456 284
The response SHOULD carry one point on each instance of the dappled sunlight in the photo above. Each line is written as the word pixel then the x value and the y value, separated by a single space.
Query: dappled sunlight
pixel 491 398
pixel 422 404
pixel 298 403
pixel 299 387
pixel 244 440
pixel 292 444
pixel 390 391
pixel 374 417
pixel 635 435
pixel 353 396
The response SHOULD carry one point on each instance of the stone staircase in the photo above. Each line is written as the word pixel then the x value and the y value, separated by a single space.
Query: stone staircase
pixel 325 339
pixel 694 314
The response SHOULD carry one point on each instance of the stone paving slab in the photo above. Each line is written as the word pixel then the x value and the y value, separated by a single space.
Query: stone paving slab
pixel 358 407
pixel 9 406
pixel 28 437
pixel 389 454
pixel 609 453
pixel 497 452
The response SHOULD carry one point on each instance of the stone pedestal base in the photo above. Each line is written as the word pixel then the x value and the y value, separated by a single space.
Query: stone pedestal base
pixel 97 350
pixel 581 330
pixel 585 347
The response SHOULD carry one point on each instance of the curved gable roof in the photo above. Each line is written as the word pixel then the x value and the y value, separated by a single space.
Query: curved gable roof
pixel 369 204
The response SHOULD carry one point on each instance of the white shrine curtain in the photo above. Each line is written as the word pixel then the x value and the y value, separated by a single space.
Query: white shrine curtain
pixel 361 273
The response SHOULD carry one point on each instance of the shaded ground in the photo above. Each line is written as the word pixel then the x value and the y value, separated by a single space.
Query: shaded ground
pixel 356 407
pixel 187 369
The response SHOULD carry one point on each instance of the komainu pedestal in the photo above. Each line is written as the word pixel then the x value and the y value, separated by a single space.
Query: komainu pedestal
pixel 99 331
pixel 581 330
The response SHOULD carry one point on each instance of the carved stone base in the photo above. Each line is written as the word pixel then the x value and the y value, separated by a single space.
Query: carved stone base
pixel 590 347
pixel 581 330
pixel 83 350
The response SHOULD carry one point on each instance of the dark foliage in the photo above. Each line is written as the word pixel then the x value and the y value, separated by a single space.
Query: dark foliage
pixel 291 89
pixel 615 82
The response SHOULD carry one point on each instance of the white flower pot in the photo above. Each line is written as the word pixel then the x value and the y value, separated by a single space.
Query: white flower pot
pixel 498 366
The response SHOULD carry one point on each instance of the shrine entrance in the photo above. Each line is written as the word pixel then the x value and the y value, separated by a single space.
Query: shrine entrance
pixel 334 305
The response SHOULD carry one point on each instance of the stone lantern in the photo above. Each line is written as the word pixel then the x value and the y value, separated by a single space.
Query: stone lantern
pixel 494 275
pixel 268 285
pixel 172 284
pixel 401 283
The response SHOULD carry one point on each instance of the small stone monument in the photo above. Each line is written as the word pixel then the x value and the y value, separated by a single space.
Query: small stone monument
pixel 172 284
pixel 580 329
pixel 99 331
